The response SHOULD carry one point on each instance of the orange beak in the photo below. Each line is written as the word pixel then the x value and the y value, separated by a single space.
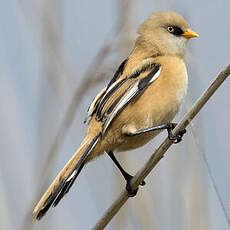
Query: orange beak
pixel 190 34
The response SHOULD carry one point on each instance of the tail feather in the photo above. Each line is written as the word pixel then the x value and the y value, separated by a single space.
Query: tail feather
pixel 67 185
pixel 64 179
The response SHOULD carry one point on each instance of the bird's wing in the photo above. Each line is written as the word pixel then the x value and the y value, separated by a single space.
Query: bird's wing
pixel 124 90
pixel 93 106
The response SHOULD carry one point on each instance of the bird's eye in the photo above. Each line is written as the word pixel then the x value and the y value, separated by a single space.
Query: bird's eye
pixel 170 29
pixel 175 30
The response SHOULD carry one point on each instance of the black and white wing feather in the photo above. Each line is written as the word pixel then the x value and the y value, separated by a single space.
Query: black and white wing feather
pixel 112 99
pixel 94 104
pixel 134 91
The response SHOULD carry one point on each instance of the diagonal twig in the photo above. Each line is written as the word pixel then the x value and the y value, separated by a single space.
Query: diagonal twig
pixel 159 153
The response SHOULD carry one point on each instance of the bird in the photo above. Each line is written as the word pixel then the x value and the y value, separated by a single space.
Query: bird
pixel 139 102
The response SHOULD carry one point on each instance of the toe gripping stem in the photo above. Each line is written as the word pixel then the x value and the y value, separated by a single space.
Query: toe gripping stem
pixel 175 138
pixel 132 192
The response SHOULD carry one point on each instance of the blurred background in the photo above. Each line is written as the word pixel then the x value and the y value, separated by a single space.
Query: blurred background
pixel 54 57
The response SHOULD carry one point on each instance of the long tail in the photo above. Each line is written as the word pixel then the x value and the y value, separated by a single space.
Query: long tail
pixel 64 179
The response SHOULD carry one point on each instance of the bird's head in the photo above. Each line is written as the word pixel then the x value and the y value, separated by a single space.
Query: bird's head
pixel 168 32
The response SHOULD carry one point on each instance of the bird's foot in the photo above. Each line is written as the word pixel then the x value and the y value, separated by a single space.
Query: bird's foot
pixel 175 138
pixel 132 192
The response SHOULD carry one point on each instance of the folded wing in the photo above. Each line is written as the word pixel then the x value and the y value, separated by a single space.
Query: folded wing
pixel 118 94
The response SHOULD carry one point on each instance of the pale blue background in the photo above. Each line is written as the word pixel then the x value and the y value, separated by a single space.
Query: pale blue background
pixel 37 84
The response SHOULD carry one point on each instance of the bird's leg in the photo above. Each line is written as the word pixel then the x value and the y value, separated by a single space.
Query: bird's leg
pixel 169 126
pixel 127 176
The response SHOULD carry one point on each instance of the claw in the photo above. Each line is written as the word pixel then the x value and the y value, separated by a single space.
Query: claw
pixel 130 191
pixel 142 183
pixel 175 138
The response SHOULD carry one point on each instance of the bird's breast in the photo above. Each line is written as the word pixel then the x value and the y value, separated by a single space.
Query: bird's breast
pixel 161 101
pixel 158 104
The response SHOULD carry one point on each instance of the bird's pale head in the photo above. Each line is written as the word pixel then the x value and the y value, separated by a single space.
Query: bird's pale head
pixel 166 33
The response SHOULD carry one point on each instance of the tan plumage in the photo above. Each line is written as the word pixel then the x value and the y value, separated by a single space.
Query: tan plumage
pixel 146 91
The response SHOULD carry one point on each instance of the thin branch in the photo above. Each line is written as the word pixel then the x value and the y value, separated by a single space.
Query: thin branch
pixel 159 153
